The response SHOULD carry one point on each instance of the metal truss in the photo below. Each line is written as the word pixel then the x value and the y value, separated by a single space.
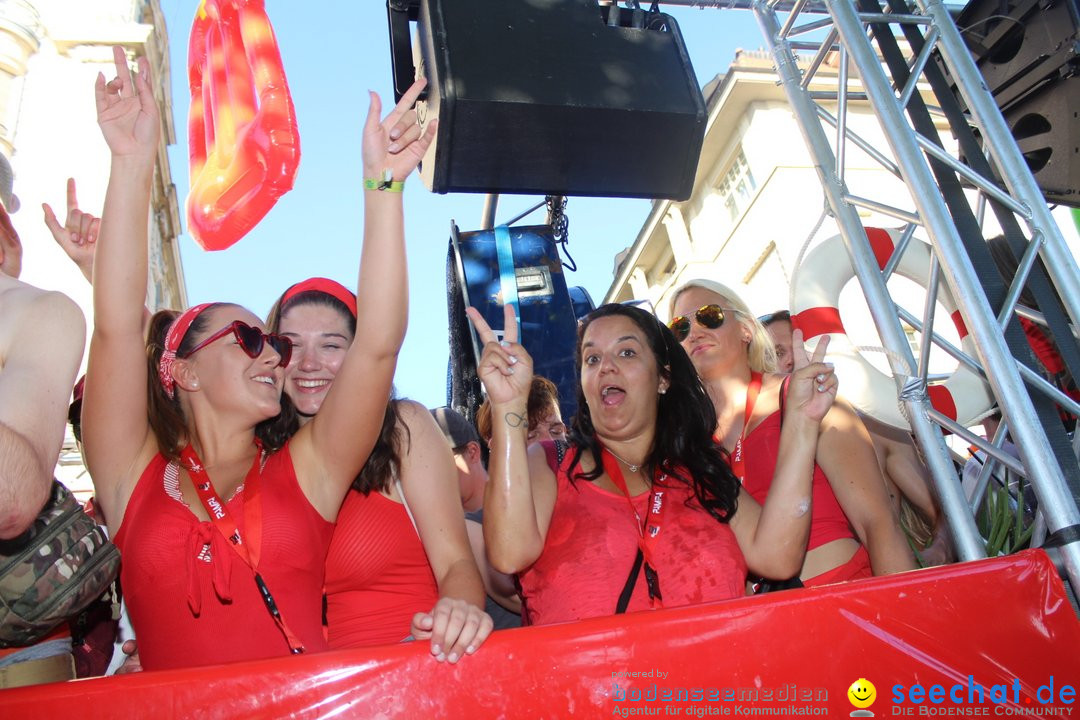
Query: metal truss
pixel 855 30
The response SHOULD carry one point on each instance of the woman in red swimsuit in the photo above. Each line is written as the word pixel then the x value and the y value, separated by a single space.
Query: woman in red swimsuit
pixel 399 563
pixel 643 511
pixel 222 520
pixel 853 532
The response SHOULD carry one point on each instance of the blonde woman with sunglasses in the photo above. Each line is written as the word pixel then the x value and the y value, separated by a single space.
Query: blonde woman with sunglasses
pixel 853 531
pixel 222 521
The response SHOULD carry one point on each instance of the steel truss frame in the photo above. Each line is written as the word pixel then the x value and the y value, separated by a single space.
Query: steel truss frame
pixel 848 32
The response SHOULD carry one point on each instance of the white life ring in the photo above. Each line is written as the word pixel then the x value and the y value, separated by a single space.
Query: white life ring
pixel 964 397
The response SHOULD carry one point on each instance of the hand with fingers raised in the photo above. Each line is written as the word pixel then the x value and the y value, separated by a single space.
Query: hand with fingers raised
pixel 78 235
pixel 126 110
pixel 395 144
pixel 505 368
pixel 813 381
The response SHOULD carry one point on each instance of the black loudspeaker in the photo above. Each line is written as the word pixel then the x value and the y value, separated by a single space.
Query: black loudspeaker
pixel 1028 52
pixel 548 321
pixel 551 97
pixel 1046 126
pixel 1020 46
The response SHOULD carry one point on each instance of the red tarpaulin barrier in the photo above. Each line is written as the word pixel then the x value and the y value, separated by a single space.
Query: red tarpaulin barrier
pixel 1001 629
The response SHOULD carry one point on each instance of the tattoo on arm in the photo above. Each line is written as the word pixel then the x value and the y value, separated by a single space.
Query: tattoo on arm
pixel 515 420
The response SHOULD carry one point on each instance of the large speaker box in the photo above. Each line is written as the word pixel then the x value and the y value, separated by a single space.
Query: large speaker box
pixel 548 319
pixel 1046 126
pixel 1021 45
pixel 552 97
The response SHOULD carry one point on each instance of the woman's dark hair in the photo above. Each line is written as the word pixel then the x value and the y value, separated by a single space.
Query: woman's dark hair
pixel 166 416
pixel 384 462
pixel 308 297
pixel 683 446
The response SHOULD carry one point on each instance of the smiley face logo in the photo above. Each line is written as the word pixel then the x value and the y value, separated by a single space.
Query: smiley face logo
pixel 862 693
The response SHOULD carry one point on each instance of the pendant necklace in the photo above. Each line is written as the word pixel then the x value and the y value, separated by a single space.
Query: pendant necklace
pixel 632 467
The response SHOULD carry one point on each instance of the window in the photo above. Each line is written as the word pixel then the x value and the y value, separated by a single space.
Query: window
pixel 736 187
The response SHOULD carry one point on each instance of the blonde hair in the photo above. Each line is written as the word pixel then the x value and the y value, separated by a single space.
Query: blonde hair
pixel 761 352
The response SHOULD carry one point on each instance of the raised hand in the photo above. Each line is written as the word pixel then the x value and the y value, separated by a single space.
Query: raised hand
pixel 127 113
pixel 78 235
pixel 505 368
pixel 395 143
pixel 813 381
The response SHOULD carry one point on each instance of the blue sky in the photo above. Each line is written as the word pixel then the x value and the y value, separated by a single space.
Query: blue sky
pixel 333 52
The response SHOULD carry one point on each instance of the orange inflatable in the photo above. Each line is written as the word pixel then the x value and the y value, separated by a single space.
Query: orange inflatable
pixel 244 144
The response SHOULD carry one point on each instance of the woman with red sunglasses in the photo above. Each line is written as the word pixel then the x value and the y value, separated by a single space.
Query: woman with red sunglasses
pixel 853 531
pixel 399 562
pixel 222 519
pixel 642 511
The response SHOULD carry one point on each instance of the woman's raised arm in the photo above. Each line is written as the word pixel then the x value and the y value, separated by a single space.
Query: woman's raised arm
pixel 330 450
pixel 116 432
pixel 773 536
pixel 520 494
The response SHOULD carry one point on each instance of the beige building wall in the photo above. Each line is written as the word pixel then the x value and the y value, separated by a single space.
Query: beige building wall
pixel 756 196
pixel 50 53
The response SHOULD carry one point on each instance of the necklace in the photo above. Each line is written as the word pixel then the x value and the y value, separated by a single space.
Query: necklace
pixel 629 465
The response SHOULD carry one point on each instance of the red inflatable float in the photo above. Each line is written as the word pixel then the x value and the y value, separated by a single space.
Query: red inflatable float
pixel 994 638
pixel 244 144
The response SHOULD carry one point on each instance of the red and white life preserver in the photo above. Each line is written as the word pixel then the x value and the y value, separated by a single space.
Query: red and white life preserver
pixel 816 286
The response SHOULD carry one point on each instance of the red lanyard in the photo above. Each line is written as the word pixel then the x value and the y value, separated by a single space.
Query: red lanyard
pixel 738 465
pixel 649 530
pixel 223 520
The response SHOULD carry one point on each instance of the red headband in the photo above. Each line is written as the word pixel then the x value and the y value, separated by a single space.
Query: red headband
pixel 173 338
pixel 326 286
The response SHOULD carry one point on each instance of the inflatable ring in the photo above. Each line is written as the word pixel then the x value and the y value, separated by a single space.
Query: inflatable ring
pixel 243 139
pixel 964 397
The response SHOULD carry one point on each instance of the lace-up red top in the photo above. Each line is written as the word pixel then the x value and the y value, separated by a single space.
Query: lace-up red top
pixel 192 600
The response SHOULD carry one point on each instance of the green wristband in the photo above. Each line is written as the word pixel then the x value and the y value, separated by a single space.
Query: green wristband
pixel 386 183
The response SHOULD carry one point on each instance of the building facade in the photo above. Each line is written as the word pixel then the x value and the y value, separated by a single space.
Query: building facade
pixel 756 196
pixel 757 200
pixel 50 53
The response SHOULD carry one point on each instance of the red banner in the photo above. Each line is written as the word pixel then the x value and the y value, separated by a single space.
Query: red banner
pixel 996 638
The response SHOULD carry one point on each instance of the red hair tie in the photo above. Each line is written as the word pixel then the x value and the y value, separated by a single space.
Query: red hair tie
pixel 326 286
pixel 173 338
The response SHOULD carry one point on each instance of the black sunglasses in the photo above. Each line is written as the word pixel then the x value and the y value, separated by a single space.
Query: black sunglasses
pixel 251 340
pixel 709 316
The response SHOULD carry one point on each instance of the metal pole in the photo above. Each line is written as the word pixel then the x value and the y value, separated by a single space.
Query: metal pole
pixel 998 362
pixel 487 218
pixel 965 535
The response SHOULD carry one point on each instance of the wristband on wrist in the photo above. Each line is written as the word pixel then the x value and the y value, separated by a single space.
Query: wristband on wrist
pixel 385 183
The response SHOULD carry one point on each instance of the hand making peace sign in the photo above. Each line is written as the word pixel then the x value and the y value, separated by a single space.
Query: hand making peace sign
pixel 505 368
pixel 813 381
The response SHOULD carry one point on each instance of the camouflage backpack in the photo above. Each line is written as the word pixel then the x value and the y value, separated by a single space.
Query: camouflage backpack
pixel 52 571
